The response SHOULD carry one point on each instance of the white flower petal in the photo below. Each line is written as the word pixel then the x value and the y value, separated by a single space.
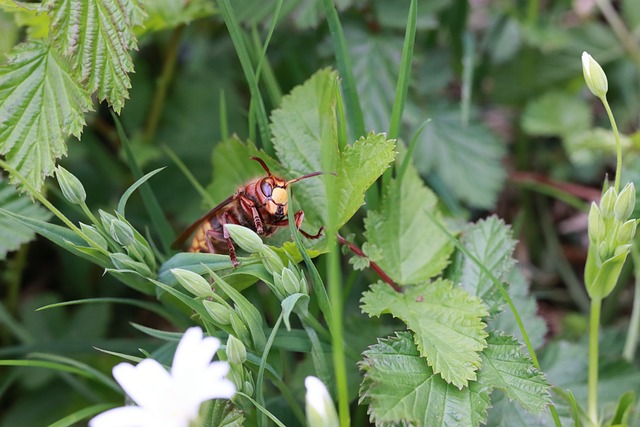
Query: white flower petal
pixel 147 384
pixel 585 63
pixel 193 353
pixel 126 416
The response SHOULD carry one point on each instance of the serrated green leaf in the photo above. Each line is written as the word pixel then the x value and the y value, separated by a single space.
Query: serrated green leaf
pixel 40 105
pixel 411 247
pixel 490 241
pixel 12 233
pixel 305 128
pixel 163 14
pixel 401 389
pixel 467 158
pixel 96 36
pixel 556 113
pixel 446 320
pixel 506 367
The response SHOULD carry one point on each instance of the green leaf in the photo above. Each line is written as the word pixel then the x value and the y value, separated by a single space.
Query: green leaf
pixel 467 158
pixel 504 413
pixel 222 413
pixel 96 36
pixel 163 14
pixel 402 240
pixel 401 389
pixel 489 241
pixel 40 105
pixel 12 233
pixel 506 367
pixel 556 113
pixel 304 130
pixel 594 146
pixel 446 321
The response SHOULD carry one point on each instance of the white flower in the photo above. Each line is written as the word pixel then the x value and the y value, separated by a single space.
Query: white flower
pixel 320 409
pixel 594 76
pixel 173 399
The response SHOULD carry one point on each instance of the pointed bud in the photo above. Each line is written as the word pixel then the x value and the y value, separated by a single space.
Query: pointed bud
pixel 594 76
pixel 220 313
pixel 193 282
pixel 603 252
pixel 596 228
pixel 124 262
pixel 236 351
pixel 72 188
pixel 92 233
pixel 319 406
pixel 626 232
pixel 290 282
pixel 625 202
pixel 240 328
pixel 247 239
pixel 622 249
pixel 121 232
pixel 271 260
pixel 607 203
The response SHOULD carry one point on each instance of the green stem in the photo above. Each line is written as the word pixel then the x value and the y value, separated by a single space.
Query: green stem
pixel 169 66
pixel 618 143
pixel 631 342
pixel 594 324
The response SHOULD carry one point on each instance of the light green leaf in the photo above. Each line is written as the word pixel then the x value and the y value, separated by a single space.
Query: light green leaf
pixel 556 113
pixel 466 158
pixel 401 389
pixel 96 36
pixel 162 14
pixel 12 233
pixel 489 241
pixel 40 105
pixel 506 367
pixel 222 413
pixel 411 248
pixel 446 320
pixel 593 146
pixel 304 129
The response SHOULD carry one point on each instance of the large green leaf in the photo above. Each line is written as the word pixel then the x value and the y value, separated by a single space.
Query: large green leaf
pixel 305 130
pixel 96 36
pixel 40 105
pixel 556 113
pixel 401 389
pixel 163 14
pixel 446 320
pixel 12 233
pixel 466 157
pixel 401 238
pixel 506 367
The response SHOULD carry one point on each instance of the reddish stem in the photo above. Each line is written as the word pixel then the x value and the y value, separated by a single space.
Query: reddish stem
pixel 356 250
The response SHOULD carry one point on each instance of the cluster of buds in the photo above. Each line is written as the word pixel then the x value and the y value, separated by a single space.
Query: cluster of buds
pixel 139 256
pixel 611 232
pixel 286 280
pixel 239 375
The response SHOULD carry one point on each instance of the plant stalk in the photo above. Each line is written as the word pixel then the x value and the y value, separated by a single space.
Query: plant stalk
pixel 633 332
pixel 614 127
pixel 594 325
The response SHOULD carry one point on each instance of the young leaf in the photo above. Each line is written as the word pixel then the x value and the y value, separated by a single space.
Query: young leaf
pixel 13 234
pixel 506 367
pixel 163 14
pixel 401 389
pixel 467 158
pixel 556 113
pixel 490 242
pixel 40 105
pixel 304 129
pixel 411 247
pixel 446 321
pixel 96 36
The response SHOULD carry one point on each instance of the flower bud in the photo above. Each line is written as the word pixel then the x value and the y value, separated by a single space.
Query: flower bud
pixel 607 203
pixel 93 234
pixel 220 313
pixel 236 351
pixel 248 388
pixel 236 376
pixel 193 282
pixel 106 219
pixel 626 232
pixel 239 327
pixel 72 188
pixel 247 239
pixel 124 262
pixel 622 250
pixel 271 260
pixel 625 202
pixel 596 227
pixel 319 406
pixel 603 251
pixel 594 76
pixel 290 282
pixel 121 232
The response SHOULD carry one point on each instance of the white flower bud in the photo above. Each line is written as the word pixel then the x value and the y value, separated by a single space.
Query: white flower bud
pixel 247 239
pixel 626 232
pixel 271 260
pixel 71 187
pixel 607 203
pixel 596 227
pixel 625 202
pixel 319 406
pixel 220 313
pixel 121 232
pixel 193 282
pixel 594 76
pixel 236 351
